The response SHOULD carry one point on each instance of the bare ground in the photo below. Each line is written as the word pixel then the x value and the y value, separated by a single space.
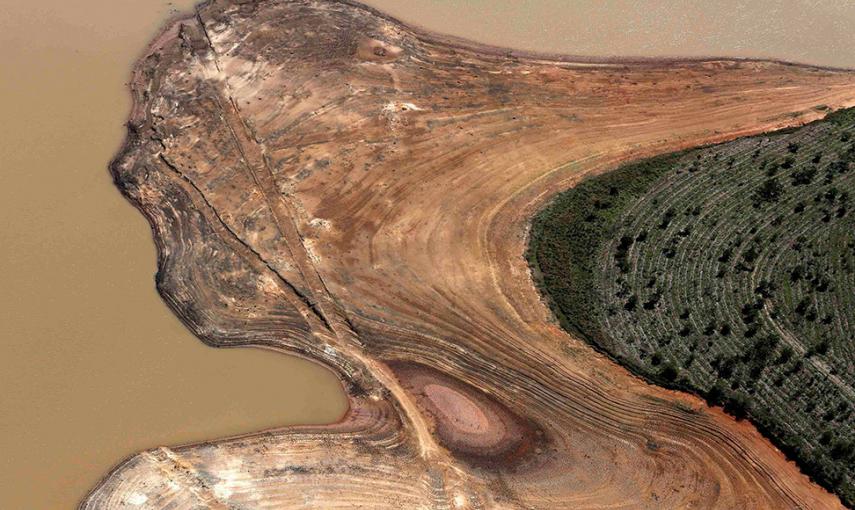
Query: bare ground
pixel 324 180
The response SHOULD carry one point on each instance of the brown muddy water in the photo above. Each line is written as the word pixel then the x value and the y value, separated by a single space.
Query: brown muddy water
pixel 93 367
pixel 818 32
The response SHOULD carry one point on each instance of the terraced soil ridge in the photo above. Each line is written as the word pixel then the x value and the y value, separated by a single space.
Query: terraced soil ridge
pixel 727 271
pixel 324 180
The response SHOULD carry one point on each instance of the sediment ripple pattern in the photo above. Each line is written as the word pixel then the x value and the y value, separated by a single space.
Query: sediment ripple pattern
pixel 325 180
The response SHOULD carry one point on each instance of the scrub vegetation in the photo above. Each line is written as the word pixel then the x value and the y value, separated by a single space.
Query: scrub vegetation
pixel 729 271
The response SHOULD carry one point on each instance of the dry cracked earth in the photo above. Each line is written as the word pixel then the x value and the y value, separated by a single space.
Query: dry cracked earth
pixel 324 180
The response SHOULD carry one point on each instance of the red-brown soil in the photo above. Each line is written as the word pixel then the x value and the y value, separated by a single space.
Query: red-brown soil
pixel 325 180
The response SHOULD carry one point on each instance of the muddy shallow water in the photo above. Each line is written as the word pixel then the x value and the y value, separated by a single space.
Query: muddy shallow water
pixel 808 31
pixel 94 366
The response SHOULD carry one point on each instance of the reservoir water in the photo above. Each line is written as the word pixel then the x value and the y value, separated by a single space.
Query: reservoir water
pixel 816 32
pixel 93 366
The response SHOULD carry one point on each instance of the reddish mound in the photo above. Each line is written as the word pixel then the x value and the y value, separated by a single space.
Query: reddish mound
pixel 467 421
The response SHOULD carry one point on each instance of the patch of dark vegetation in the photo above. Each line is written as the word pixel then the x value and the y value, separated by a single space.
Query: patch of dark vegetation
pixel 728 271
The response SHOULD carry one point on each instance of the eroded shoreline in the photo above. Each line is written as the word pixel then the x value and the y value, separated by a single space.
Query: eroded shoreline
pixel 337 319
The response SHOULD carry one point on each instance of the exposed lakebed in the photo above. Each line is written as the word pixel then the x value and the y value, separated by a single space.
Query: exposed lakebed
pixel 97 367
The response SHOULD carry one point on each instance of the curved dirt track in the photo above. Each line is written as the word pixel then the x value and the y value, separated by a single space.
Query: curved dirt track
pixel 324 180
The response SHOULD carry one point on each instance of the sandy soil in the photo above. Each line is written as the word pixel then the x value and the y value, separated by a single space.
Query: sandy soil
pixel 324 180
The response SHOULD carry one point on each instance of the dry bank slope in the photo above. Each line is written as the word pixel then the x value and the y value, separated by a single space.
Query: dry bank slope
pixel 324 180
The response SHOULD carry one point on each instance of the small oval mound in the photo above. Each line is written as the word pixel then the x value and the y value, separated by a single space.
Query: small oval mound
pixel 471 424
pixel 460 411
pixel 377 50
